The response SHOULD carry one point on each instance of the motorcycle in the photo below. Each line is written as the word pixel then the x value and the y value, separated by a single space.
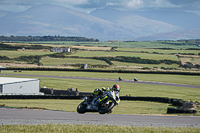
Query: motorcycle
pixel 104 104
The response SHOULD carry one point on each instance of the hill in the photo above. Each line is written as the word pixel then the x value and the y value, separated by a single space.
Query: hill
pixel 185 20
pixel 57 20
pixel 103 24
pixel 176 35
pixel 129 20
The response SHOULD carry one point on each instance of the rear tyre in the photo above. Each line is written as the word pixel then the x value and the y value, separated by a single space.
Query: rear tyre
pixel 81 109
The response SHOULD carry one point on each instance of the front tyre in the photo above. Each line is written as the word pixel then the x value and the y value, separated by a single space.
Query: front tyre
pixel 81 109
pixel 106 107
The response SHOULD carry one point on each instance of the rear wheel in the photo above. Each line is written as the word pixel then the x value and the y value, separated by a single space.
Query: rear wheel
pixel 81 109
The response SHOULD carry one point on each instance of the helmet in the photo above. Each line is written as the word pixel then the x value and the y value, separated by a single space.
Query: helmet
pixel 97 92
pixel 116 87
pixel 104 89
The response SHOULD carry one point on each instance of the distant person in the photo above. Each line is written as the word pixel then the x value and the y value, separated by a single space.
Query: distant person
pixel 135 79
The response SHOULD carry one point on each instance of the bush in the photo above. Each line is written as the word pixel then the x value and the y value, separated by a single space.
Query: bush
pixel 30 59
pixel 136 60
pixel 4 58
pixel 113 48
pixel 106 59
pixel 12 47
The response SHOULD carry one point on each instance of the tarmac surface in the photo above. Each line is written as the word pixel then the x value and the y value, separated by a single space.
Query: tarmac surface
pixel 12 116
pixel 111 80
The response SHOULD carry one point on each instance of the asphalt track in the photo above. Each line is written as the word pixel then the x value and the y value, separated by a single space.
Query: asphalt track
pixel 10 116
pixel 107 79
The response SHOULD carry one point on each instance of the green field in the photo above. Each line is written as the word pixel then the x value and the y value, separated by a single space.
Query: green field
pixel 47 61
pixel 168 78
pixel 132 54
pixel 148 50
pixel 50 128
pixel 13 54
pixel 120 65
pixel 143 44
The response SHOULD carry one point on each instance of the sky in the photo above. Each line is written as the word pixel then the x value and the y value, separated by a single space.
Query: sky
pixel 90 5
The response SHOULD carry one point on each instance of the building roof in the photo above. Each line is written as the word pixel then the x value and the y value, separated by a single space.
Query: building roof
pixel 9 80
pixel 1 67
pixel 61 48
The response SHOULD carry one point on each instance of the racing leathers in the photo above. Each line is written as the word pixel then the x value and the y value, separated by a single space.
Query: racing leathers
pixel 95 102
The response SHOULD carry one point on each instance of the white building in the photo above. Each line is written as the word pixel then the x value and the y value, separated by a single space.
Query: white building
pixel 56 49
pixel 2 68
pixel 19 86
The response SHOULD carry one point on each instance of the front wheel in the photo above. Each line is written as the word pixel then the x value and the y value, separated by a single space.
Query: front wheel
pixel 81 109
pixel 106 107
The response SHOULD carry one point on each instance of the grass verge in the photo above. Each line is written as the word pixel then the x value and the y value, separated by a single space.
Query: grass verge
pixel 50 128
pixel 125 107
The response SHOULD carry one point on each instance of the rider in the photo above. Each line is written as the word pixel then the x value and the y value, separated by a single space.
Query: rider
pixel 95 95
pixel 116 89
pixel 99 93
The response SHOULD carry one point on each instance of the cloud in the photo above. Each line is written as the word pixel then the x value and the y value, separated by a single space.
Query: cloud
pixel 128 4
pixel 137 4
pixel 187 4
pixel 94 4
pixel 20 5
pixel 183 2
pixel 36 2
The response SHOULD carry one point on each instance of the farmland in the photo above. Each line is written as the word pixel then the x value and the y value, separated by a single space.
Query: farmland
pixel 19 53
pixel 150 55
pixel 116 53
pixel 61 61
